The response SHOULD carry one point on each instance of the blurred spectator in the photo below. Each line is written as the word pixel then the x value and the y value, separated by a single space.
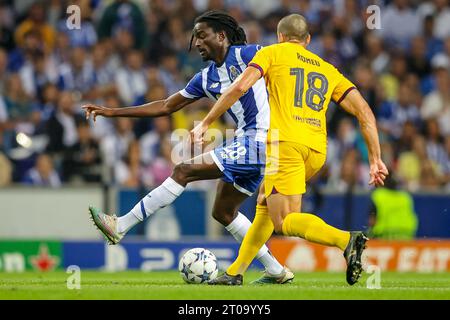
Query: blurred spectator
pixel 170 75
pixel 151 141
pixel 328 50
pixel 54 11
pixel 185 9
pixel 115 146
pixel 123 43
pixel 414 85
pixel 176 38
pixel 6 26
pixel 156 27
pixel 104 127
pixel 128 171
pixel 418 62
pixel 62 52
pixel 36 22
pixel 365 80
pixel 344 140
pixel 125 15
pixel 410 163
pixel 388 153
pixel 442 17
pixel 78 75
pixel 82 160
pixel 433 44
pixel 143 126
pixel 43 173
pixel 435 147
pixel 406 140
pixel 415 169
pixel 392 215
pixel 3 69
pixel 430 178
pixel 393 115
pixel 61 127
pixel 347 16
pixel 400 24
pixel 161 168
pixel 103 72
pixel 352 173
pixel 397 73
pixel 36 73
pixel 18 105
pixel 130 79
pixel 32 43
pixel 253 31
pixel 45 107
pixel 437 103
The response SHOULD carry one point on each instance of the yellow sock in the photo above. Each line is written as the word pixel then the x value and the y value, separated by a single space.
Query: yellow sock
pixel 259 232
pixel 314 229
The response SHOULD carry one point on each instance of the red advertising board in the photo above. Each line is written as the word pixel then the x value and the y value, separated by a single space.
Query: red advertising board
pixel 404 256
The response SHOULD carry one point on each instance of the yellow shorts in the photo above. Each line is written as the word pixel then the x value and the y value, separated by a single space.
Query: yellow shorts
pixel 288 166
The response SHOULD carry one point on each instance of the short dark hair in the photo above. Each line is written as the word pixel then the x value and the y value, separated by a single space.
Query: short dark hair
pixel 294 26
pixel 221 21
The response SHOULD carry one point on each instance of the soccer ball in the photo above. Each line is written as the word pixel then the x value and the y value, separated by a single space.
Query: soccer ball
pixel 198 265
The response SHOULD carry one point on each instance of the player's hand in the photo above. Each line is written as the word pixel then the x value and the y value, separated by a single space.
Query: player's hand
pixel 197 133
pixel 96 110
pixel 378 172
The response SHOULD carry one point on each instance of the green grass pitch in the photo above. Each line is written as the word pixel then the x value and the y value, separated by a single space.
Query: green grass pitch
pixel 169 286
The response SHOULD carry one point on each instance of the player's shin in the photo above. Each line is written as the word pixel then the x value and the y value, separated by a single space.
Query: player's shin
pixel 314 229
pixel 158 198
pixel 238 228
pixel 256 236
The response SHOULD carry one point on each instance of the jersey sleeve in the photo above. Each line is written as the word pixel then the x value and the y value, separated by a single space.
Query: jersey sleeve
pixel 343 87
pixel 194 89
pixel 262 60
pixel 249 51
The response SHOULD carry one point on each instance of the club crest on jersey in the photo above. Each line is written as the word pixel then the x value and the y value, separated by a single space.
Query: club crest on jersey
pixel 234 73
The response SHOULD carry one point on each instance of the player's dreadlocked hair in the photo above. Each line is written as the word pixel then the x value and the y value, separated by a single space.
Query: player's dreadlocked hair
pixel 221 21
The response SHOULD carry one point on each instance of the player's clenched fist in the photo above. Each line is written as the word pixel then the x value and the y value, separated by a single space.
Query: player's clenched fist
pixel 96 110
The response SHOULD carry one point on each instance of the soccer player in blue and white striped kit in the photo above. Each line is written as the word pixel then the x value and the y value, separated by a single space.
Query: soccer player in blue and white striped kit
pixel 239 162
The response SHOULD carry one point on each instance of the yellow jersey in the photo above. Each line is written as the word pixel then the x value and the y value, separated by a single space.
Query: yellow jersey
pixel 300 86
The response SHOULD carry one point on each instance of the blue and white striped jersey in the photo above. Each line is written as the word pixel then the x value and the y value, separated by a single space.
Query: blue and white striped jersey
pixel 251 112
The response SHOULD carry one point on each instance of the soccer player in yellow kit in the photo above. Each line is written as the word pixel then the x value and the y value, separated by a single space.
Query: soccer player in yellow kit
pixel 300 86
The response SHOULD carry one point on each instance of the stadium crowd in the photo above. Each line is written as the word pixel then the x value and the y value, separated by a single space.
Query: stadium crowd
pixel 130 52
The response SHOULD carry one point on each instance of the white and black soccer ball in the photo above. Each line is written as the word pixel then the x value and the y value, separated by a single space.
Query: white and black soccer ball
pixel 198 265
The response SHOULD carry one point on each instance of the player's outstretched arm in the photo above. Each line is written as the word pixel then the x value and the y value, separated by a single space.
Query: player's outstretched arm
pixel 241 85
pixel 356 105
pixel 152 109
